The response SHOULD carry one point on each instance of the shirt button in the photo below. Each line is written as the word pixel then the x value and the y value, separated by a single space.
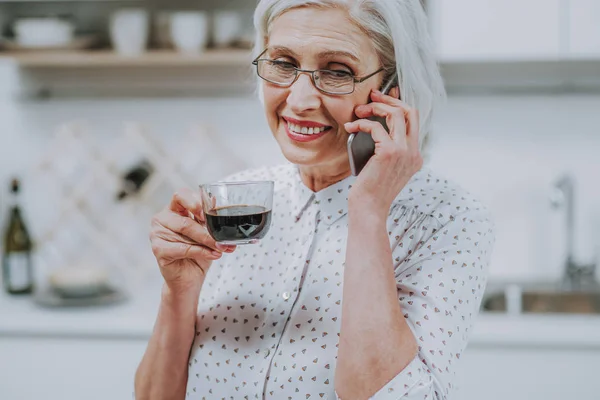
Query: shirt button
pixel 286 295
pixel 267 353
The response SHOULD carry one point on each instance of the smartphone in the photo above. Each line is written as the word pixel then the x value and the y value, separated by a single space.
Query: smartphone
pixel 361 145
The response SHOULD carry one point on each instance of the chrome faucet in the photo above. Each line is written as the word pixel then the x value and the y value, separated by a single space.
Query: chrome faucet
pixel 576 277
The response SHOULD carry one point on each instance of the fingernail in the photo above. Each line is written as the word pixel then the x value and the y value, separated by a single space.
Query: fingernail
pixel 223 247
pixel 216 253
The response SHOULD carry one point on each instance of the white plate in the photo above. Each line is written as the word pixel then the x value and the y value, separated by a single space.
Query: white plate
pixel 49 298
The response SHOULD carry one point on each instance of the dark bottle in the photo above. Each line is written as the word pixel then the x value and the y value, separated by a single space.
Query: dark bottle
pixel 17 269
pixel 134 179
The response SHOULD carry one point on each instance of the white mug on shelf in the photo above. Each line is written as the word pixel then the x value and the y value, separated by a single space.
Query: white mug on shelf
pixel 129 31
pixel 189 31
pixel 227 27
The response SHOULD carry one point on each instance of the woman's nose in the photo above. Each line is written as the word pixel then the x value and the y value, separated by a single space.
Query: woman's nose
pixel 303 95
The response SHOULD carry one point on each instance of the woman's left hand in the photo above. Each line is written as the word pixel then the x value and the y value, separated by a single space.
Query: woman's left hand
pixel 397 157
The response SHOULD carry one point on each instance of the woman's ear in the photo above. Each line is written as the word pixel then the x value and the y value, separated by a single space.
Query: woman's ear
pixel 395 92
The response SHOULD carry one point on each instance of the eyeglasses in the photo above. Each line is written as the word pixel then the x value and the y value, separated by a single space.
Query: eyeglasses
pixel 284 74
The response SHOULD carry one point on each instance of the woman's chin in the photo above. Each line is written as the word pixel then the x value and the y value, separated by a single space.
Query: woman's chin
pixel 312 153
pixel 300 156
pixel 312 157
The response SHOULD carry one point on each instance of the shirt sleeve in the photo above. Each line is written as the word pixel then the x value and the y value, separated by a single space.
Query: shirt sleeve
pixel 441 272
pixel 414 382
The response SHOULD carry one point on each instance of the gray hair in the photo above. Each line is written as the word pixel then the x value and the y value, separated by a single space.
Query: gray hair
pixel 399 31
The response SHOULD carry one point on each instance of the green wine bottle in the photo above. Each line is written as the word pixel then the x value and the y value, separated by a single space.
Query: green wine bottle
pixel 17 269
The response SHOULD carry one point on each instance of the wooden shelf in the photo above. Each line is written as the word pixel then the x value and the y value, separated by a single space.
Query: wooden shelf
pixel 229 72
pixel 109 59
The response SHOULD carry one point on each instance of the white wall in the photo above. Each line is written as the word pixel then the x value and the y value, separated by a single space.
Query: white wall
pixel 508 150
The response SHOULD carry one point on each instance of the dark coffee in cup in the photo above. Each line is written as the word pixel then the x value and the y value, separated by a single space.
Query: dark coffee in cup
pixel 236 223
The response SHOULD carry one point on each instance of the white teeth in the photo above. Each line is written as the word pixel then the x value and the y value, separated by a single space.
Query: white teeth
pixel 304 130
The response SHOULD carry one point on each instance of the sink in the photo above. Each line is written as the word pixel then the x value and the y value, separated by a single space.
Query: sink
pixel 540 298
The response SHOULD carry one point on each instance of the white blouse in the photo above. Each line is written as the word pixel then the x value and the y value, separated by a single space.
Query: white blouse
pixel 269 315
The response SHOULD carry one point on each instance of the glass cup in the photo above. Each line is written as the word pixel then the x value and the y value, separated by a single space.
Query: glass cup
pixel 237 212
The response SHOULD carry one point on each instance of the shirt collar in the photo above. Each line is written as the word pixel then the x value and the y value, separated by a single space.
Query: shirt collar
pixel 302 196
pixel 332 201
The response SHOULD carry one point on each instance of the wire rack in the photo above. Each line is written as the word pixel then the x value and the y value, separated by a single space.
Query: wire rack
pixel 75 216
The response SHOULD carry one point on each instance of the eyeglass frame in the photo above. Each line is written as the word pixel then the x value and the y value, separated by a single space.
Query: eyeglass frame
pixel 312 76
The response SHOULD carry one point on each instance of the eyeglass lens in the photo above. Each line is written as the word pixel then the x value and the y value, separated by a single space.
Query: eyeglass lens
pixel 283 73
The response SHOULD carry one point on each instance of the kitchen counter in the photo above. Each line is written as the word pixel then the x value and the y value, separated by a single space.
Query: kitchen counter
pixel 131 319
pixel 540 330
pixel 135 318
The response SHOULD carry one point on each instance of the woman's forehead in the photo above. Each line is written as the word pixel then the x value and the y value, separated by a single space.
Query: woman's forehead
pixel 322 33
pixel 319 52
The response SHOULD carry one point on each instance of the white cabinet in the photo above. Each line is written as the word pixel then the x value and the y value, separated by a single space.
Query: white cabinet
pixel 506 30
pixel 68 368
pixel 9 78
pixel 526 373
pixel 101 368
pixel 584 29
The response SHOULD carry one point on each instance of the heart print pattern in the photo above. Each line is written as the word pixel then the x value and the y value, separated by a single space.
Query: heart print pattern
pixel 269 315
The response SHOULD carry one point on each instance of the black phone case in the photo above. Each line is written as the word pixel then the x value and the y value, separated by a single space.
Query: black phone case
pixel 361 145
pixel 361 148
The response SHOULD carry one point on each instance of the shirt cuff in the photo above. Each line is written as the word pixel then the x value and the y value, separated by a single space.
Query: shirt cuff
pixel 414 382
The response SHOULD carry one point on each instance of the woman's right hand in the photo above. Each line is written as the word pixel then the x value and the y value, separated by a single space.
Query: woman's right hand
pixel 181 243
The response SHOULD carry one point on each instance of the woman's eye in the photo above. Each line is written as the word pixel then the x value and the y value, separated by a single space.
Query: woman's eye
pixel 340 73
pixel 341 69
pixel 280 60
pixel 283 65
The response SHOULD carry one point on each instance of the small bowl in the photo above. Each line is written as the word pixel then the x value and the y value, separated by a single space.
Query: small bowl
pixel 43 32
pixel 80 281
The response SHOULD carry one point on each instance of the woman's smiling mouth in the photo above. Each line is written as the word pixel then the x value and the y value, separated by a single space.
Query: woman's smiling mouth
pixel 304 131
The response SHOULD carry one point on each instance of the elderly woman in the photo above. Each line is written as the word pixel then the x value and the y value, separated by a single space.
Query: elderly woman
pixel 365 287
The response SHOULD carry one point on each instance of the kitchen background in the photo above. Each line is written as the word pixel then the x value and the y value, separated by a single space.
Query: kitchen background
pixel 76 116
